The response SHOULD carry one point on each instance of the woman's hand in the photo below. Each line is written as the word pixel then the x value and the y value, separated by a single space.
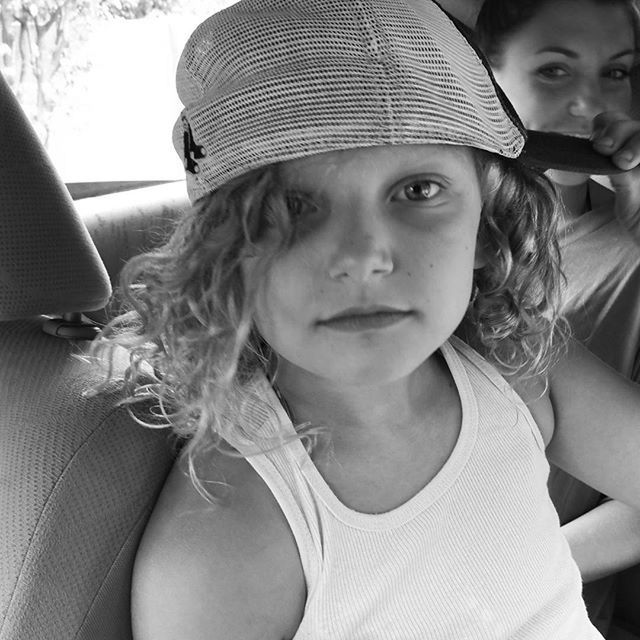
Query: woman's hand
pixel 616 135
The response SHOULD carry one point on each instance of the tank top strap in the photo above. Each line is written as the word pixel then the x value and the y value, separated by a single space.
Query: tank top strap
pixel 271 446
pixel 491 374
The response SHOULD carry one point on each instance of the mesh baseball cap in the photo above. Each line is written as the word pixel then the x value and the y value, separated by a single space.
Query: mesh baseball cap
pixel 265 81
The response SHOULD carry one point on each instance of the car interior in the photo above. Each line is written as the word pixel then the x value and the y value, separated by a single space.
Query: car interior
pixel 78 475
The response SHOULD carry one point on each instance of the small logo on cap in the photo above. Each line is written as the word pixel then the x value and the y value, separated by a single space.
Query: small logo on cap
pixel 191 150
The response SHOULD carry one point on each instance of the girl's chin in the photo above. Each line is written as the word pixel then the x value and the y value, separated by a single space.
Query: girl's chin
pixel 567 178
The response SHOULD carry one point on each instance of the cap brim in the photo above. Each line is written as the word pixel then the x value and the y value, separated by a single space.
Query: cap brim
pixel 545 150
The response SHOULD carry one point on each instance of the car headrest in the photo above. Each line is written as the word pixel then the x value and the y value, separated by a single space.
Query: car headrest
pixel 48 262
pixel 128 223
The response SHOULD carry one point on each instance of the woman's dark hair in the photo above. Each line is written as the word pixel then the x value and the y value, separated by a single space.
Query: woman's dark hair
pixel 499 19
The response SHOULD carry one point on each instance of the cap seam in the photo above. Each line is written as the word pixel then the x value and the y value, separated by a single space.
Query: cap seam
pixel 380 56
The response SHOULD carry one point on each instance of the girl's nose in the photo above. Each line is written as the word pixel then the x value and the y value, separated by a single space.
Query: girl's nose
pixel 363 252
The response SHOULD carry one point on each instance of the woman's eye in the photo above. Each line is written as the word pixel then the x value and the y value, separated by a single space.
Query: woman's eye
pixel 421 190
pixel 619 74
pixel 553 72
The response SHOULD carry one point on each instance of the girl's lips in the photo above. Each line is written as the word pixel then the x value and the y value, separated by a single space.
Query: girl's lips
pixel 353 320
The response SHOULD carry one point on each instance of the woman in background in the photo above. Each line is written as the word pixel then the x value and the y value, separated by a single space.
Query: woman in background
pixel 565 65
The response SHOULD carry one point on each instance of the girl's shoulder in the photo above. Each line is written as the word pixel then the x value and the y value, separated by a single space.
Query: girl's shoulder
pixel 230 565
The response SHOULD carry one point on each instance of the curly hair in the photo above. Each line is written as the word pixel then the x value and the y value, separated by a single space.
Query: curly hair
pixel 514 317
pixel 187 312
pixel 499 19
pixel 189 331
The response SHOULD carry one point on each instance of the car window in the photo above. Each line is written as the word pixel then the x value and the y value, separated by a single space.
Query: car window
pixel 96 78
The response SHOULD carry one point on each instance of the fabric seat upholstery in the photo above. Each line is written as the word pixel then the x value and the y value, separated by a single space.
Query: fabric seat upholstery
pixel 78 476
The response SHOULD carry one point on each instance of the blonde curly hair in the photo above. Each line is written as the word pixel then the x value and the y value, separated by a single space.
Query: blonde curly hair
pixel 514 318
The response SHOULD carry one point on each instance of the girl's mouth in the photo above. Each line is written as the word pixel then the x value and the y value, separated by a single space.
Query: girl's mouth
pixel 365 319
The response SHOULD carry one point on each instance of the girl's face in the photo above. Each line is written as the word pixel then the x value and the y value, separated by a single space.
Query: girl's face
pixel 380 272
pixel 570 62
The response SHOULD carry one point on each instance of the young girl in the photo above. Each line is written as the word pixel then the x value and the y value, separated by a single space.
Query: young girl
pixel 352 468
pixel 565 66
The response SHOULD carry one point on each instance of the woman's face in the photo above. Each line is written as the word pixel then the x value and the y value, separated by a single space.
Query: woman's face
pixel 380 272
pixel 570 62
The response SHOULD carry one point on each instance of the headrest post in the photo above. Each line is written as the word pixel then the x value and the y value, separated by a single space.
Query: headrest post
pixel 71 326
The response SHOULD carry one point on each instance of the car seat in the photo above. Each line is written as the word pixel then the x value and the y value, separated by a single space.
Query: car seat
pixel 78 476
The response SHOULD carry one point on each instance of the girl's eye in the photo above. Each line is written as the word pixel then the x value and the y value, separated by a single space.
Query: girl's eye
pixel 420 190
pixel 553 72
pixel 299 205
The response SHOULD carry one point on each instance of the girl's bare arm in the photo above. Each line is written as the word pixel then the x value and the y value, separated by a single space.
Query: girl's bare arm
pixel 596 425
pixel 217 572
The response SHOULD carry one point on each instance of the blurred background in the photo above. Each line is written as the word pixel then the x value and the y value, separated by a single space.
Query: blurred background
pixel 96 78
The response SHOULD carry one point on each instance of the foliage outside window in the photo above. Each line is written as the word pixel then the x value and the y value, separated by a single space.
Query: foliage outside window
pixel 47 55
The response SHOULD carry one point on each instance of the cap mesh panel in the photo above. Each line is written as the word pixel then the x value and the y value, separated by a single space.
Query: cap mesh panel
pixel 271 80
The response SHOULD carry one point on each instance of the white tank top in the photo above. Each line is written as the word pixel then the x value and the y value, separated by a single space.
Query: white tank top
pixel 476 554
